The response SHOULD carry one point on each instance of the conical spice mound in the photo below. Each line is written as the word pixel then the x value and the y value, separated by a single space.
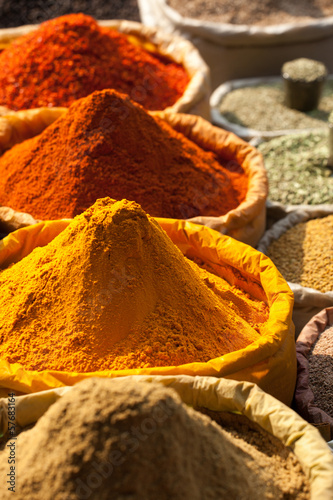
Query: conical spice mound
pixel 107 145
pixel 112 291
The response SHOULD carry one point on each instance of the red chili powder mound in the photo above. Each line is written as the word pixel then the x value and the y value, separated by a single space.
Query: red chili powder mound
pixel 72 56
pixel 108 145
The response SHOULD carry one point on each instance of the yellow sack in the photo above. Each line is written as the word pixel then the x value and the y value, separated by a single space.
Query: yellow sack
pixel 245 223
pixel 195 98
pixel 269 362
pixel 222 395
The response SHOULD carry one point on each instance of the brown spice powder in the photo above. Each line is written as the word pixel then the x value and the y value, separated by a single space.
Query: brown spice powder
pixel 128 439
pixel 263 13
pixel 304 254
pixel 321 371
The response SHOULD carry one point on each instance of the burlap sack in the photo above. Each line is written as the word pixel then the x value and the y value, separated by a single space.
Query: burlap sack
pixel 304 399
pixel 196 96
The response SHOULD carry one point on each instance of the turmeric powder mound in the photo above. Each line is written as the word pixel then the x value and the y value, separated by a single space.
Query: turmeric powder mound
pixel 107 145
pixel 112 291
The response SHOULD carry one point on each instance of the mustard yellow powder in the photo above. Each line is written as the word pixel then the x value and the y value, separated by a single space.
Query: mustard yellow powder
pixel 112 291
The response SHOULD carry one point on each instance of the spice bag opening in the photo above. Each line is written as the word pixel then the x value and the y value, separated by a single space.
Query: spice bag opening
pixel 313 391
pixel 245 223
pixel 195 98
pixel 230 110
pixel 308 301
pixel 221 395
pixel 245 50
pixel 270 361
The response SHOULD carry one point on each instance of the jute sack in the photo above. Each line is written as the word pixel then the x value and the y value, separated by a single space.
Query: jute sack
pixel 242 51
pixel 196 95
pixel 218 396
pixel 269 362
pixel 245 223
pixel 308 301
pixel 304 398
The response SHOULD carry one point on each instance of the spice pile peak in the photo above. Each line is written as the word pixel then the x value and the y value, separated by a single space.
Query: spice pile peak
pixel 112 291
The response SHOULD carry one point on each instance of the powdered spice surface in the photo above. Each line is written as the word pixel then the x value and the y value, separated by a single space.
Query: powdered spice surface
pixel 107 145
pixel 71 56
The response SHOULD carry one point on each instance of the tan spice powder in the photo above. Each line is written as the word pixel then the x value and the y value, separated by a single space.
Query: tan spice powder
pixel 304 254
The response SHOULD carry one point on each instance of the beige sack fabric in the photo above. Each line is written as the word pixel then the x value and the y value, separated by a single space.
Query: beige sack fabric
pixel 270 414
pixel 11 220
pixel 245 223
pixel 242 51
pixel 308 301
pixel 304 398
pixel 195 99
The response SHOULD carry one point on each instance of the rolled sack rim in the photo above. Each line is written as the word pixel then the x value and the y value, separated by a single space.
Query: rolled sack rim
pixel 304 396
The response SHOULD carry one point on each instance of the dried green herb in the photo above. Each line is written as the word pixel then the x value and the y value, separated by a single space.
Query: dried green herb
pixel 297 168
pixel 262 108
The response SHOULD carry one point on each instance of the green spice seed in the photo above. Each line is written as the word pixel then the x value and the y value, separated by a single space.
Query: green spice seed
pixel 262 108
pixel 297 169
pixel 306 70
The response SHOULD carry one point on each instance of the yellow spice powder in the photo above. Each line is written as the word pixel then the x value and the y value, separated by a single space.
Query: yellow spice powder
pixel 112 291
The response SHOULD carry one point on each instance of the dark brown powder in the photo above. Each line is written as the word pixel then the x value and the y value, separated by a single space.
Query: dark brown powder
pixel 321 371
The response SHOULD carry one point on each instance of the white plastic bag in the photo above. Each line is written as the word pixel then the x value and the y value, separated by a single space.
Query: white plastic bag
pixel 242 51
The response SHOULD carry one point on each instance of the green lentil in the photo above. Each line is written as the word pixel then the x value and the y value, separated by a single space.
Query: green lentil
pixel 306 70
pixel 297 168
pixel 304 254
pixel 261 107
